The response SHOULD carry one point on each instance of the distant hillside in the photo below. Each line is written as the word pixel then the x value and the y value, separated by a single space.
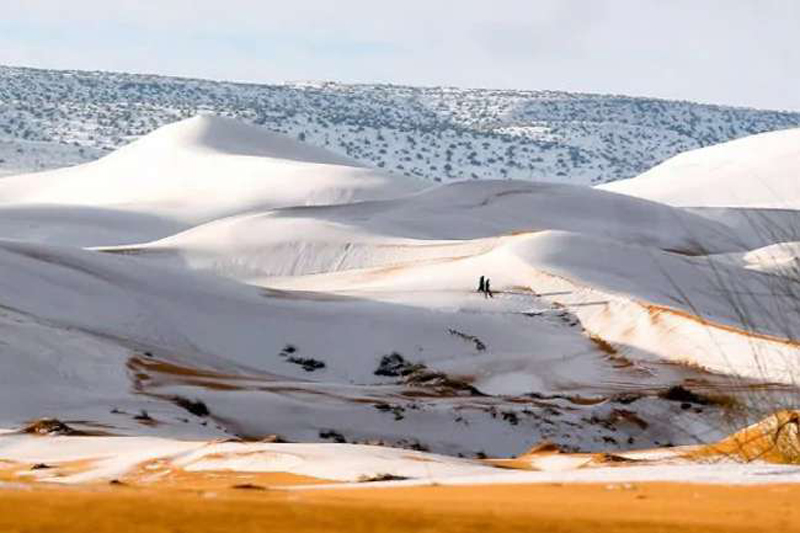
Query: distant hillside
pixel 53 118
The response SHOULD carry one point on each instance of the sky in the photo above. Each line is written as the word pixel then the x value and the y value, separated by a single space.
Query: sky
pixel 737 52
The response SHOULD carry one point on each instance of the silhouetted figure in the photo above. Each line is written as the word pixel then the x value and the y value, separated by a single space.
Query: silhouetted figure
pixel 482 284
pixel 488 288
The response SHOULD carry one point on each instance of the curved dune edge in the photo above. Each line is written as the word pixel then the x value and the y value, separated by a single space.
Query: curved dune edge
pixel 657 309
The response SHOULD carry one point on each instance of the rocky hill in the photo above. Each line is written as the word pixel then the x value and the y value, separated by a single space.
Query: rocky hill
pixel 55 118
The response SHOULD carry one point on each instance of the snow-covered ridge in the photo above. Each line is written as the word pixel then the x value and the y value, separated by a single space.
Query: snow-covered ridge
pixel 219 135
pixel 434 133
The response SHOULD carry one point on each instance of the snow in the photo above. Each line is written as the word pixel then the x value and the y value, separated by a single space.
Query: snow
pixel 114 457
pixel 341 462
pixel 779 258
pixel 756 171
pixel 215 262
pixel 106 458
pixel 20 156
pixel 183 174
pixel 444 223
pixel 440 134
pixel 208 323
pixel 109 458
pixel 719 473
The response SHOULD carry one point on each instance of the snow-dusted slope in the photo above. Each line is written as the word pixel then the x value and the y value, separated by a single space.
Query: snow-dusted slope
pixel 20 156
pixel 180 334
pixel 760 171
pixel 438 133
pixel 705 311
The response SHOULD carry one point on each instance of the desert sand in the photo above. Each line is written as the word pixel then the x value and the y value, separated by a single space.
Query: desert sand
pixel 556 507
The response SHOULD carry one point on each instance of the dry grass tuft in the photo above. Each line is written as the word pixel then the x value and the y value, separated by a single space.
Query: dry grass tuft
pixel 775 439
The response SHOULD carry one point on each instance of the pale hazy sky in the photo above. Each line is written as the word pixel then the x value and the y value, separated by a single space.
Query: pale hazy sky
pixel 743 52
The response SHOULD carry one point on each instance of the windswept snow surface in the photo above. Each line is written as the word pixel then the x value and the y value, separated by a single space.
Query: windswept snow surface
pixel 215 280
pixel 448 222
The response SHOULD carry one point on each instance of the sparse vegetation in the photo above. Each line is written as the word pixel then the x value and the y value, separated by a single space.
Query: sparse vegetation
pixel 397 410
pixel 479 345
pixel 679 393
pixel 50 426
pixel 419 375
pixel 395 365
pixel 143 416
pixel 511 417
pixel 380 477
pixel 441 383
pixel 248 486
pixel 335 436
pixel 309 364
pixel 434 133
pixel 196 407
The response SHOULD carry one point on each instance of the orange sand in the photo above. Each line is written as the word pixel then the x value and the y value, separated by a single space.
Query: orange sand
pixel 563 508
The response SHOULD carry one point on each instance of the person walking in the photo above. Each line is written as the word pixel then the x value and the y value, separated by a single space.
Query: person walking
pixel 482 284
pixel 488 288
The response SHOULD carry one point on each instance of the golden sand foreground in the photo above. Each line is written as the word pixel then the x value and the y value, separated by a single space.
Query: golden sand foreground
pixel 562 508
pixel 158 493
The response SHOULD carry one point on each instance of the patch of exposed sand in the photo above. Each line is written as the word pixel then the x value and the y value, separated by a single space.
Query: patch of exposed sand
pixel 165 476
pixel 159 473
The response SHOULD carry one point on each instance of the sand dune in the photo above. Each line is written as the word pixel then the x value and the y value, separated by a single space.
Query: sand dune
pixel 756 171
pixel 212 280
pixel 186 173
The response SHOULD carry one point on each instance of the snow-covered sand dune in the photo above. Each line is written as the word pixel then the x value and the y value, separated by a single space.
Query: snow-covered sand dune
pixel 186 173
pixel 117 457
pixel 757 171
pixel 145 461
pixel 215 280
pixel 234 338
pixel 446 222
